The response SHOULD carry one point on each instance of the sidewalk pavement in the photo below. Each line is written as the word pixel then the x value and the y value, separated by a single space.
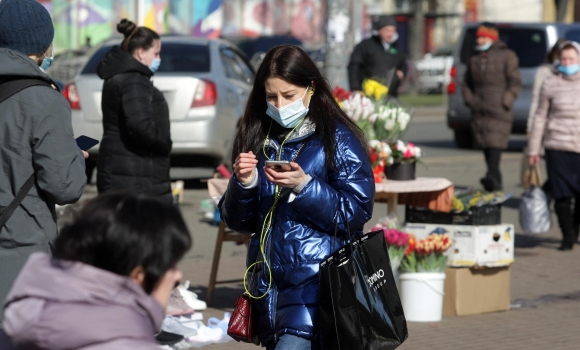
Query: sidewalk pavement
pixel 545 285
pixel 545 304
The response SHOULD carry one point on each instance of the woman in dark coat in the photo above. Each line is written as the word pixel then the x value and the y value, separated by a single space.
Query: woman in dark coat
pixel 134 152
pixel 492 84
pixel 292 116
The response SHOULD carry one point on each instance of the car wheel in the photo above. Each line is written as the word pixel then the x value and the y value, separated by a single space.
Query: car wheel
pixel 463 138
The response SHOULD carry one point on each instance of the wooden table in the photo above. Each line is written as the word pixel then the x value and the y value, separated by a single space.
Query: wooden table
pixel 430 188
pixel 216 188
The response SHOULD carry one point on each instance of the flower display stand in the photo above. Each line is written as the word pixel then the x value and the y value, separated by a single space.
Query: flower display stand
pixel 422 295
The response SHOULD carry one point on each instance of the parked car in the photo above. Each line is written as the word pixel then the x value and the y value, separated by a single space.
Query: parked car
pixel 67 64
pixel 434 70
pixel 531 42
pixel 206 84
pixel 256 48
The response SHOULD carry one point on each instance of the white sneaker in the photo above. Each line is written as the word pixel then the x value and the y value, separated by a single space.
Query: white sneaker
pixel 172 325
pixel 214 322
pixel 198 316
pixel 204 334
pixel 191 298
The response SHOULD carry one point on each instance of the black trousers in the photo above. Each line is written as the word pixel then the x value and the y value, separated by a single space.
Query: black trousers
pixel 569 219
pixel 492 159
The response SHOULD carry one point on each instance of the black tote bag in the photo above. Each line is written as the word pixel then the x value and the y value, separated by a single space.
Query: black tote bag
pixel 360 307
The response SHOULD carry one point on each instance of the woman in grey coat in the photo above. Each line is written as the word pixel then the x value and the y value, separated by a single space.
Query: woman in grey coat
pixel 36 137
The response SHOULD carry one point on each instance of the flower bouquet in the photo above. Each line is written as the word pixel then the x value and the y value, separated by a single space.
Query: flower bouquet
pixel 427 255
pixel 380 157
pixel 397 241
pixel 380 117
pixel 402 152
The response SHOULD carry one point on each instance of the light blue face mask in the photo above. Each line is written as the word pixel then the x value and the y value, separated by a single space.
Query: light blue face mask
pixel 290 115
pixel 155 65
pixel 569 70
pixel 47 61
pixel 483 47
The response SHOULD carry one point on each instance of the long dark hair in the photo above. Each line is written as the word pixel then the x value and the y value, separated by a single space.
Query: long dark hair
pixel 292 64
pixel 136 37
pixel 118 232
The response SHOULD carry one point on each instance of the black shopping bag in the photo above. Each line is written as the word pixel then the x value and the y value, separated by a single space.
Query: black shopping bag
pixel 360 307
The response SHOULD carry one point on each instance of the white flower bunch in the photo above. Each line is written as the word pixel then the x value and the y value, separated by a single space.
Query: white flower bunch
pixel 360 108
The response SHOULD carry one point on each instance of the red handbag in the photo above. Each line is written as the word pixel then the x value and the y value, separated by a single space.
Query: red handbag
pixel 240 326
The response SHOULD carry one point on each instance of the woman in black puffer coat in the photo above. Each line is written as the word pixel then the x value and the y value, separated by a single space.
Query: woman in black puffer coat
pixel 134 152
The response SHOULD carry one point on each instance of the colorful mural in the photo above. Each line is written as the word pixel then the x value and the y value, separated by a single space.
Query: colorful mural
pixel 77 20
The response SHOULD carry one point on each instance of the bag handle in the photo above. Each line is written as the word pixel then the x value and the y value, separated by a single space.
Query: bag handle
pixel 336 217
pixel 535 177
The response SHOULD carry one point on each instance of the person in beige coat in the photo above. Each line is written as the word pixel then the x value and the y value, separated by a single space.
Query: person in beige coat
pixel 546 70
pixel 556 127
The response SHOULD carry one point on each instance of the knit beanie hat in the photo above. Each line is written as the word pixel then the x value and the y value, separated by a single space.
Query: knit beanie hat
pixel 25 26
pixel 488 30
pixel 383 21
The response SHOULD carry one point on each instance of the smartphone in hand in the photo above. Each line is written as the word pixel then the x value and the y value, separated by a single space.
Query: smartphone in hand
pixel 85 143
pixel 279 165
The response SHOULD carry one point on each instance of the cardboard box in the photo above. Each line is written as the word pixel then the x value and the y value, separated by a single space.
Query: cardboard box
pixel 488 246
pixel 471 291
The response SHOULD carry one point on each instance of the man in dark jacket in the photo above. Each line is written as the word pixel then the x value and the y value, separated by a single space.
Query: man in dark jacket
pixel 492 84
pixel 36 137
pixel 378 58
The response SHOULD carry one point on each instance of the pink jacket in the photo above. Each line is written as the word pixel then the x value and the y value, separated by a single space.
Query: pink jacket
pixel 557 122
pixel 63 305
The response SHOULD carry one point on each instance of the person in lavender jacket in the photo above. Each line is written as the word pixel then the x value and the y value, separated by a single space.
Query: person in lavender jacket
pixel 109 283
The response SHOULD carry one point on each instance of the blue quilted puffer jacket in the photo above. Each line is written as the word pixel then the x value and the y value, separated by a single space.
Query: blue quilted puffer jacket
pixel 302 229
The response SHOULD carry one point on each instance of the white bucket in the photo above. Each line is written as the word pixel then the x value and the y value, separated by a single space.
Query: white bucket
pixel 422 295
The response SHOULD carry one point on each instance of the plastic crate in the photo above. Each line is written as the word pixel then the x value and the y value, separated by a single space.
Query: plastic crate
pixel 485 215
pixel 426 216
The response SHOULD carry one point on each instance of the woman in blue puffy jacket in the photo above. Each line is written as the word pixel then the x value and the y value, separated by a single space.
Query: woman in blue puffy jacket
pixel 291 115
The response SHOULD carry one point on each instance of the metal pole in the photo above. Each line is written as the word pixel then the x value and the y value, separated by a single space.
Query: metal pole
pixel 338 41
pixel 561 7
pixel 418 29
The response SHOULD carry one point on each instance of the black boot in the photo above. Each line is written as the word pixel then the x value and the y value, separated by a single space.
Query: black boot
pixel 563 208
pixel 492 180
pixel 576 218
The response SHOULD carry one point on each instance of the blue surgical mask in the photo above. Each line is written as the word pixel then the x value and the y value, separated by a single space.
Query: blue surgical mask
pixel 483 47
pixel 155 65
pixel 569 70
pixel 290 115
pixel 47 61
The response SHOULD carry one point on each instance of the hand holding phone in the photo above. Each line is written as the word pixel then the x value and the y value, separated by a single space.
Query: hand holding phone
pixel 85 143
pixel 279 165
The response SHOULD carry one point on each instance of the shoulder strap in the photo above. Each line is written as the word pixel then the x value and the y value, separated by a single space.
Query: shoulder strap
pixel 6 212
pixel 13 85
pixel 9 87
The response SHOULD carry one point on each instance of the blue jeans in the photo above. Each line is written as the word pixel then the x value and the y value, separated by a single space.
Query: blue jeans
pixel 290 342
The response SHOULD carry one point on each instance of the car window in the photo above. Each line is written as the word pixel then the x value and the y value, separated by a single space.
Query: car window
pixel 529 45
pixel 175 57
pixel 235 66
pixel 573 34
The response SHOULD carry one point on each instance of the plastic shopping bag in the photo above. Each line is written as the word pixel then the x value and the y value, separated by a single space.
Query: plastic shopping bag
pixel 360 308
pixel 535 214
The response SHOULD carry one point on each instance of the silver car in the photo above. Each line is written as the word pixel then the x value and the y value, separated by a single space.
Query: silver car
pixel 206 84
